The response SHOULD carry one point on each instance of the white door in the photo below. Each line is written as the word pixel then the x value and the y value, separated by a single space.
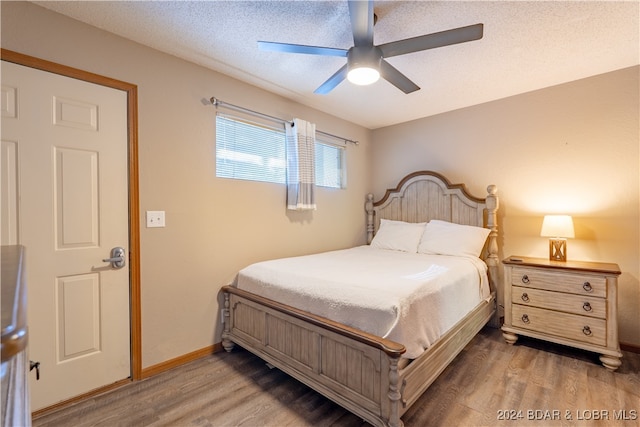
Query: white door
pixel 65 198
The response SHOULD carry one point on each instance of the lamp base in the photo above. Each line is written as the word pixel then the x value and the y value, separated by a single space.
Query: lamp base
pixel 558 249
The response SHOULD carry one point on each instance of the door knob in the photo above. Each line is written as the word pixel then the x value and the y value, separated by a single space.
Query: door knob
pixel 117 257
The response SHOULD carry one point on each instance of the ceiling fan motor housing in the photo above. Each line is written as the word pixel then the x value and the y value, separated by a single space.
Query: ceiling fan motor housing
pixel 364 56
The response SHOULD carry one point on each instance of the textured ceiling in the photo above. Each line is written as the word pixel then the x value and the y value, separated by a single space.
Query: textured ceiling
pixel 527 45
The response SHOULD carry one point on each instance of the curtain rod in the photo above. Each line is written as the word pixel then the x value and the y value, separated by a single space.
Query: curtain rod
pixel 216 102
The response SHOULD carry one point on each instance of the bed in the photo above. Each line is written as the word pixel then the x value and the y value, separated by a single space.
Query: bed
pixel 380 373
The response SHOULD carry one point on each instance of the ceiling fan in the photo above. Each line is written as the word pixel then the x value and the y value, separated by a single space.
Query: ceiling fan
pixel 366 61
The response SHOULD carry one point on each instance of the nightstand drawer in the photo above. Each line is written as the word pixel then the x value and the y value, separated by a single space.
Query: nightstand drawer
pixel 571 326
pixel 576 304
pixel 575 283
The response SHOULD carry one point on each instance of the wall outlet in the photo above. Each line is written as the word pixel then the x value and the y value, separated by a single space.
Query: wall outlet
pixel 155 219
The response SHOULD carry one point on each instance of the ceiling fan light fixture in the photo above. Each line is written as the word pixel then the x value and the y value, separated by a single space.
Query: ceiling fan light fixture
pixel 363 64
pixel 363 76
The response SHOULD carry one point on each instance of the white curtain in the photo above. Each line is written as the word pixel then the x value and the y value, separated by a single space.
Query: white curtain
pixel 301 174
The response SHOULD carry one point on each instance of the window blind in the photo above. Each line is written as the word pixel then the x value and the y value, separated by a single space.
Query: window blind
pixel 251 150
pixel 329 165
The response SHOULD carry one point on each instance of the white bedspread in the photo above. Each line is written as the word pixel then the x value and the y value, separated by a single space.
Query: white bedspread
pixel 409 298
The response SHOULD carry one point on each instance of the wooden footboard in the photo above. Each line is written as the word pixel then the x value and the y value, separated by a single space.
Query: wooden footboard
pixel 354 369
pixel 357 370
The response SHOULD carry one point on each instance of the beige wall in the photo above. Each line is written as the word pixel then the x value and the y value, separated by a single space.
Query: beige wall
pixel 572 149
pixel 214 226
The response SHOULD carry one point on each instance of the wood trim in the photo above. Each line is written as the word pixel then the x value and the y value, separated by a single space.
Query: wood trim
pixel 134 193
pixel 53 67
pixel 181 360
pixel 80 398
pixel 449 185
pixel 134 237
pixel 156 369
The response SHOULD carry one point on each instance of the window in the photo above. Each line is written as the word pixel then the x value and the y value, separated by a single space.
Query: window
pixel 249 151
pixel 329 165
pixel 256 151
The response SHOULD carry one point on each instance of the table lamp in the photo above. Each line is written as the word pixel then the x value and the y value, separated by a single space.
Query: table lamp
pixel 558 228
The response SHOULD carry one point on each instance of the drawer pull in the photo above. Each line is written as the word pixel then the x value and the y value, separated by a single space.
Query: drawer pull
pixel 525 297
pixel 586 306
pixel 587 286
pixel 586 330
pixel 525 318
pixel 525 279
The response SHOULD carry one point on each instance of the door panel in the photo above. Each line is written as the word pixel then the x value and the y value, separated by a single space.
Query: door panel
pixel 78 306
pixel 75 114
pixel 76 198
pixel 71 201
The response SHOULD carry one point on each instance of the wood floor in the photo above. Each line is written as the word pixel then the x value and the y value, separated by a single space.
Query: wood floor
pixel 488 381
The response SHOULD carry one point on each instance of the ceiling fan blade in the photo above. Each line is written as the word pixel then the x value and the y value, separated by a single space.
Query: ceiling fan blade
pixel 430 41
pixel 361 13
pixel 332 82
pixel 396 78
pixel 299 48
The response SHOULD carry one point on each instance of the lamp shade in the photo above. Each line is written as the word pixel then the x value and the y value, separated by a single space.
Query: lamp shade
pixel 557 226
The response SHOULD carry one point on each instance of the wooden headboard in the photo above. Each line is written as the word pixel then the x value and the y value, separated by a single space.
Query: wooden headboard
pixel 425 195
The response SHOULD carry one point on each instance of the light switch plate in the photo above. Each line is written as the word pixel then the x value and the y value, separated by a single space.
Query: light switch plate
pixel 155 219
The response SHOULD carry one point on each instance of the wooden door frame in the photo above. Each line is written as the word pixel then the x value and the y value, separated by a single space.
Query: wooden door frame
pixel 134 206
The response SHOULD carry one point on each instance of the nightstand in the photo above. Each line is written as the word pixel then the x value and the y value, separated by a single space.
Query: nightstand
pixel 572 303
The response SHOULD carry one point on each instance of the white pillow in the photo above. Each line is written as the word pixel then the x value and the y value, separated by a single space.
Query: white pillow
pixel 447 238
pixel 398 235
